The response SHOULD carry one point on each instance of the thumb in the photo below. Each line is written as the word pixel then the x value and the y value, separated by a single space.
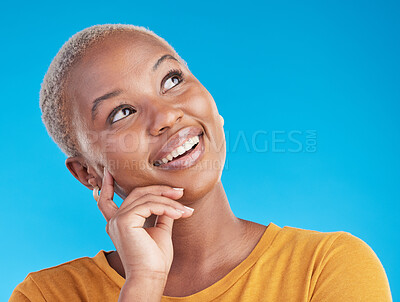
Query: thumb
pixel 164 222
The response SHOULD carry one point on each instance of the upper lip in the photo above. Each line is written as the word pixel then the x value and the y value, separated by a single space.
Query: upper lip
pixel 176 140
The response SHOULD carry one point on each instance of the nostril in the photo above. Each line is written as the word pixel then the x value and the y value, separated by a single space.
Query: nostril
pixel 162 129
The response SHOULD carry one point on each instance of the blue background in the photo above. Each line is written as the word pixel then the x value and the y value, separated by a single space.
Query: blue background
pixel 327 66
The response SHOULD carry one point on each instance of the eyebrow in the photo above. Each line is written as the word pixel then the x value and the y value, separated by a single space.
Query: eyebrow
pixel 117 92
pixel 164 57
pixel 98 101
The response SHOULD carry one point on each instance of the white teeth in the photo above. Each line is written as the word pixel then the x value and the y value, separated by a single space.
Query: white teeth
pixel 181 149
pixel 187 146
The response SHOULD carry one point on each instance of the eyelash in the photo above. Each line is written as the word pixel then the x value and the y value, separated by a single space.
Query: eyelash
pixel 171 73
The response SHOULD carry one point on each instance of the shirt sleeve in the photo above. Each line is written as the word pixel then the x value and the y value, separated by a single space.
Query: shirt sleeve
pixel 351 271
pixel 27 291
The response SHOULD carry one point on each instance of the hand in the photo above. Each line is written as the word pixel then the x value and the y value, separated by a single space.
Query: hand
pixel 144 252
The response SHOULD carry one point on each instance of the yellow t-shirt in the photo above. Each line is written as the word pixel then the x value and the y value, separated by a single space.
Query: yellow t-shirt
pixel 287 264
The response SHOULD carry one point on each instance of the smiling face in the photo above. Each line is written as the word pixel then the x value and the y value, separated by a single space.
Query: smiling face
pixel 133 102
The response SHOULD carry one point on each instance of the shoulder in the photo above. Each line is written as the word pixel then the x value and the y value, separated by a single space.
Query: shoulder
pixel 37 285
pixel 80 266
pixel 308 243
pixel 329 245
pixel 344 267
pixel 333 247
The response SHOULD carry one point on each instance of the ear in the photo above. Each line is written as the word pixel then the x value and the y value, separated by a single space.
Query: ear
pixel 83 172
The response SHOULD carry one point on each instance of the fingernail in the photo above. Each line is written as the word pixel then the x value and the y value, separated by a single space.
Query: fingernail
pixel 178 189
pixel 191 209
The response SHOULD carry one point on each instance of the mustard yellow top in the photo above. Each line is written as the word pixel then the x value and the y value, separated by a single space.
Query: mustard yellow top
pixel 287 264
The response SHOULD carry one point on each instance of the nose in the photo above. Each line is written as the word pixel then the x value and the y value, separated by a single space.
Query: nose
pixel 164 116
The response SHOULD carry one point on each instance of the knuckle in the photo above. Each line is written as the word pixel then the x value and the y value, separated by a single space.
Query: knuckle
pixel 160 201
pixel 112 222
pixel 149 205
pixel 146 204
pixel 155 198
pixel 169 201
pixel 148 196
pixel 101 203
pixel 145 199
pixel 120 221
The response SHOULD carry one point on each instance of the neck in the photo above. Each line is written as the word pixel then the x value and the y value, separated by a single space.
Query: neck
pixel 208 232
pixel 212 235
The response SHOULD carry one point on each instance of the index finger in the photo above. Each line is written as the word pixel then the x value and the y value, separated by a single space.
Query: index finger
pixel 161 190
pixel 106 204
pixel 153 189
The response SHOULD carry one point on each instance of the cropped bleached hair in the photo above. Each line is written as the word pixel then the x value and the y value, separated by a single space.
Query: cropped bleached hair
pixel 53 104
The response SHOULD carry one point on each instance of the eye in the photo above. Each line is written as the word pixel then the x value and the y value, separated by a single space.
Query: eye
pixel 120 113
pixel 173 78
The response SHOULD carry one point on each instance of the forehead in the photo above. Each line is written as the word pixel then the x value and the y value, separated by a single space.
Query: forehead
pixel 111 61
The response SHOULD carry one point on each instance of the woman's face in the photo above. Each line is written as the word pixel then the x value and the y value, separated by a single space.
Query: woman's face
pixel 132 104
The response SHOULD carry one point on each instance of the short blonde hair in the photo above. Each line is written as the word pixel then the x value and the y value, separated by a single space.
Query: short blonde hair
pixel 52 101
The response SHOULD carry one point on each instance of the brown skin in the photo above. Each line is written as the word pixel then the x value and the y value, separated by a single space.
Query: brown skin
pixel 212 241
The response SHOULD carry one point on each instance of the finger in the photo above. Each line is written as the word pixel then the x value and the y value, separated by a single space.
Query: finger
pixel 154 198
pixel 174 193
pixel 166 191
pixel 164 222
pixel 106 204
pixel 137 217
pixel 153 189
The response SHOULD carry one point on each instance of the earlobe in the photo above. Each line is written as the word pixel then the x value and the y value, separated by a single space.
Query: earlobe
pixel 76 165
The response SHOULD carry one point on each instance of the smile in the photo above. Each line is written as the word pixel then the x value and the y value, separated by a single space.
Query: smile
pixel 188 148
pixel 181 150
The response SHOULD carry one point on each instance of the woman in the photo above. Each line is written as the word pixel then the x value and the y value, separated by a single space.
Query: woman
pixel 132 119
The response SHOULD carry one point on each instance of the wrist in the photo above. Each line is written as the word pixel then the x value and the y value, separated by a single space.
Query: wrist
pixel 144 289
pixel 145 277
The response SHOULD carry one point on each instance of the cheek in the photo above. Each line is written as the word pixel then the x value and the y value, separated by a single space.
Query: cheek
pixel 127 159
pixel 201 104
pixel 127 143
pixel 200 107
pixel 123 145
pixel 204 107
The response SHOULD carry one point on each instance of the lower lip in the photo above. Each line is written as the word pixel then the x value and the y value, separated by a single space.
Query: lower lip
pixel 188 160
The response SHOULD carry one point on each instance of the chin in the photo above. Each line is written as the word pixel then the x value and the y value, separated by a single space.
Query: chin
pixel 201 183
